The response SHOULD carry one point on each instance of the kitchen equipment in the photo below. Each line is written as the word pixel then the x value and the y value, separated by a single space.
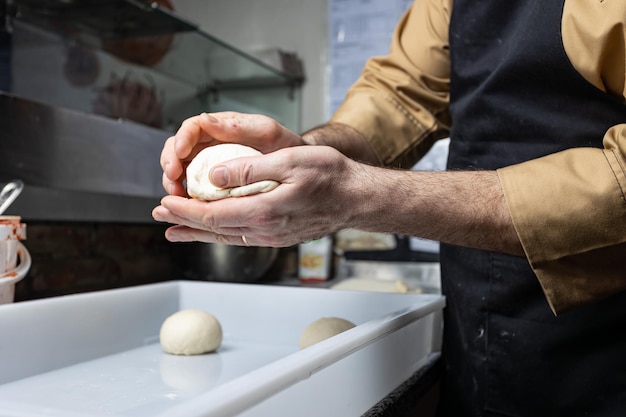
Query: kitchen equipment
pixel 420 277
pixel 9 193
pixel 401 252
pixel 102 355
pixel 12 230
pixel 49 147
pixel 227 263
pixel 315 260
pixel 11 277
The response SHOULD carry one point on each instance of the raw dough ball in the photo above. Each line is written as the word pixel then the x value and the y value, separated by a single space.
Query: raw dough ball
pixel 190 332
pixel 322 329
pixel 200 186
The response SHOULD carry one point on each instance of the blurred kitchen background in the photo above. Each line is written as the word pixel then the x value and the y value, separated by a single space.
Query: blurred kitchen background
pixel 90 90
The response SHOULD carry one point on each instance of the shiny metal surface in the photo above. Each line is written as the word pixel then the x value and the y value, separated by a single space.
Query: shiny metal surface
pixel 109 168
pixel 9 193
pixel 226 263
pixel 48 204
pixel 104 19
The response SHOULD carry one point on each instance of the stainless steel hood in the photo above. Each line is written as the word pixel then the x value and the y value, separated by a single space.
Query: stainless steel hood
pixel 78 166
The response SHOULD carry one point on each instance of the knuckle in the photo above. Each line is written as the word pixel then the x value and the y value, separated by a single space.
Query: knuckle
pixel 165 182
pixel 273 241
pixel 222 239
pixel 189 121
pixel 165 153
pixel 208 221
pixel 246 173
pixel 273 129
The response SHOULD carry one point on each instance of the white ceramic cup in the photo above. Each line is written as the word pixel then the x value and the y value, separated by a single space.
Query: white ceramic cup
pixel 12 230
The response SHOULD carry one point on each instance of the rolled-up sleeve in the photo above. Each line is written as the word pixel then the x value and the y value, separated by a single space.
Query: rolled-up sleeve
pixel 569 208
pixel 569 211
pixel 400 101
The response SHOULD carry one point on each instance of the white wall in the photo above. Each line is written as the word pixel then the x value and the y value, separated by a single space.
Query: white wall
pixel 293 26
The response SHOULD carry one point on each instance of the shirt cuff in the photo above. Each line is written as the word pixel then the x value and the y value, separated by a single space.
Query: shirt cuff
pixel 569 213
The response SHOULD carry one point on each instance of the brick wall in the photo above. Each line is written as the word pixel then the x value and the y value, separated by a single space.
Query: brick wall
pixel 77 257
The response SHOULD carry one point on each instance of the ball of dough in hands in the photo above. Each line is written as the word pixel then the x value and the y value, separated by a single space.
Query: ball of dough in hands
pixel 199 185
pixel 323 329
pixel 190 332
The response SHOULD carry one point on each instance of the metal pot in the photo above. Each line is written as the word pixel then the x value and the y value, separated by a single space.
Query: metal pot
pixel 226 263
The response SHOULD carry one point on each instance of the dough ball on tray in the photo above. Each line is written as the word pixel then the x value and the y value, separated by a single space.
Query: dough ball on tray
pixel 190 332
pixel 199 185
pixel 323 329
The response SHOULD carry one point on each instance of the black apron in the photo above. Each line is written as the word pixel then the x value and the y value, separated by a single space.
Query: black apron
pixel 515 96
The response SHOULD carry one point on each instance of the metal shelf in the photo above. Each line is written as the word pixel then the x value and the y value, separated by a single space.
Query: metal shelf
pixel 101 23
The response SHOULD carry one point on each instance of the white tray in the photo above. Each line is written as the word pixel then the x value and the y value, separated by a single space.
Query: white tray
pixel 98 354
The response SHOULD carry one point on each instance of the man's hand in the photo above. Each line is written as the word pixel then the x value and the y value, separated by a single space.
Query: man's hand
pixel 204 130
pixel 314 198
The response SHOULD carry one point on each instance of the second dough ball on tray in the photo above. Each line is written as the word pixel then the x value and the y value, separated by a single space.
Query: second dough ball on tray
pixel 322 329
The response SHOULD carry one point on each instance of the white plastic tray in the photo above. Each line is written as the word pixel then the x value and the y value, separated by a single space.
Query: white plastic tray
pixel 98 354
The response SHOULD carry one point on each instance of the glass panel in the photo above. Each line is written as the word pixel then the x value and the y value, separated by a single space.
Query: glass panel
pixel 135 60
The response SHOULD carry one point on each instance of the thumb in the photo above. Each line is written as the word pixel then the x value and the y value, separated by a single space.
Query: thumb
pixel 219 176
pixel 243 171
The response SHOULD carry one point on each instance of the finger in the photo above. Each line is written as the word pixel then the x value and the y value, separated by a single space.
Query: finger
pixel 170 163
pixel 186 234
pixel 188 136
pixel 165 215
pixel 178 150
pixel 241 171
pixel 173 187
pixel 193 135
pixel 173 170
pixel 180 147
pixel 258 131
pixel 219 215
pixel 215 216
pixel 190 233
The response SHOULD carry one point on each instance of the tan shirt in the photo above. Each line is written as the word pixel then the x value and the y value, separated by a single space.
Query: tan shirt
pixel 569 208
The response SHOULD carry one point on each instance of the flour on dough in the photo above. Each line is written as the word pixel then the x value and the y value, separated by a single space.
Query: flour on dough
pixel 190 332
pixel 322 329
pixel 200 186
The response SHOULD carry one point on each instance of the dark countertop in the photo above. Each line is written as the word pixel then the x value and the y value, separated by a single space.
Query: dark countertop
pixel 417 396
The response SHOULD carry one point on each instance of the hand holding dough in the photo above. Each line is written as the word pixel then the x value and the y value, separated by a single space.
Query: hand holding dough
pixel 199 184
pixel 190 332
pixel 322 329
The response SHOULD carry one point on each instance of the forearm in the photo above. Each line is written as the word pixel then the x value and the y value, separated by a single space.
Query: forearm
pixel 345 139
pixel 463 208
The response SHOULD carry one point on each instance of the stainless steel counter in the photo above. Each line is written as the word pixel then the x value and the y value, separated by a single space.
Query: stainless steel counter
pixel 78 166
